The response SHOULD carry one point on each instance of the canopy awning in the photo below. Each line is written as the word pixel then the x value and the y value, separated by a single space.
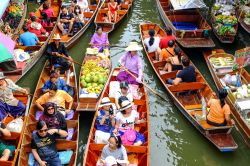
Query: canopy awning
pixel 187 4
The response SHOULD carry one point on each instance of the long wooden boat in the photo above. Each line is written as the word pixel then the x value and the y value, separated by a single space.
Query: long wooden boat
pixel 241 15
pixel 69 41
pixel 240 115
pixel 16 138
pixel 72 124
pixel 102 15
pixel 219 27
pixel 180 21
pixel 88 100
pixel 137 155
pixel 190 104
pixel 35 51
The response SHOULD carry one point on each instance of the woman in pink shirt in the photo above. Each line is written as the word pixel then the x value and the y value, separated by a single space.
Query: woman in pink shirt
pixel 47 9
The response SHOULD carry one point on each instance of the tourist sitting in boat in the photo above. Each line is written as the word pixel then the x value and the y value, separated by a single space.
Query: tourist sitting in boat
pixel 219 112
pixel 124 91
pixel 53 118
pixel 5 150
pixel 132 62
pixel 59 97
pixel 27 38
pixel 125 123
pixel 186 75
pixel 99 39
pixel 166 38
pixel 168 52
pixel 47 9
pixel 152 43
pixel 71 8
pixel 77 26
pixel 43 145
pixel 55 79
pixel 45 20
pixel 105 122
pixel 112 12
pixel 78 13
pixel 84 5
pixel 31 14
pixel 114 148
pixel 66 21
pixel 36 27
pixel 8 103
pixel 58 54
pixel 174 62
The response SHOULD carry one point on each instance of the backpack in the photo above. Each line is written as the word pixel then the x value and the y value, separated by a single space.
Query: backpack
pixel 128 137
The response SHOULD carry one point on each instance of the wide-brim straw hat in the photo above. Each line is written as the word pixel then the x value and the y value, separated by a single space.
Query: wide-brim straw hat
pixel 56 37
pixel 2 76
pixel 133 46
pixel 92 51
pixel 105 102
pixel 125 105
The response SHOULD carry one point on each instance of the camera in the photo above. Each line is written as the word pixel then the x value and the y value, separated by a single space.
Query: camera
pixel 111 111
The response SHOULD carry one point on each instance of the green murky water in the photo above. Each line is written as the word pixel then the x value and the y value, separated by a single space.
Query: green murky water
pixel 174 141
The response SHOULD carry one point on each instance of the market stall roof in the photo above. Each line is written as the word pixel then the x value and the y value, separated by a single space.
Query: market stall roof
pixel 187 4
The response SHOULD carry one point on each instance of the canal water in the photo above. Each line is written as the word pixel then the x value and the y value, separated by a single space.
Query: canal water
pixel 174 141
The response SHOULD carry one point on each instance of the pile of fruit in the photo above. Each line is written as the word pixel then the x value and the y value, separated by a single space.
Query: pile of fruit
pixel 247 17
pixel 94 75
pixel 222 61
pixel 223 19
pixel 13 14
pixel 242 92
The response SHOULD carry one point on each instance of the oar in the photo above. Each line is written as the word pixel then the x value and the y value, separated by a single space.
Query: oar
pixel 75 62
pixel 152 90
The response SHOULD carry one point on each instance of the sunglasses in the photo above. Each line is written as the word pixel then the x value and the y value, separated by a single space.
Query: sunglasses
pixel 43 131
pixel 51 108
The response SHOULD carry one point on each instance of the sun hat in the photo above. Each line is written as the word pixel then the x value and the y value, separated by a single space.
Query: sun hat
pixel 32 14
pixel 56 37
pixel 124 84
pixel 125 105
pixel 109 161
pixel 2 76
pixel 92 51
pixel 133 46
pixel 105 102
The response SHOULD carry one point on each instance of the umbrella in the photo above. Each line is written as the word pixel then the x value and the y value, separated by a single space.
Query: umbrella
pixel 7 46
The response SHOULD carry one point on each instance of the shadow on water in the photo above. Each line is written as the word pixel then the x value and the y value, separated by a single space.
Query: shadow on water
pixel 174 141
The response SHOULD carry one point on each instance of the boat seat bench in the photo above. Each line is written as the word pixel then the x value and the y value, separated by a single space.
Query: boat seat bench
pixel 187 86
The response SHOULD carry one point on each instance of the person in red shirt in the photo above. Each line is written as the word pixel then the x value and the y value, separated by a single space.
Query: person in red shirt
pixel 35 27
pixel 164 41
pixel 30 15
pixel 47 9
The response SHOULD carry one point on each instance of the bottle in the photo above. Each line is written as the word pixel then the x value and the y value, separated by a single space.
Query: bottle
pixel 204 107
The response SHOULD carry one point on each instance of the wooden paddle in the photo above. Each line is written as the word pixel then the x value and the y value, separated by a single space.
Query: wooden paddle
pixel 152 90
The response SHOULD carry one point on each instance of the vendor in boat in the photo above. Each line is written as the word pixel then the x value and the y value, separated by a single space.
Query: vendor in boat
pixel 105 122
pixel 124 91
pixel 174 62
pixel 8 103
pixel 166 38
pixel 53 118
pixel 99 39
pixel 28 38
pixel 152 43
pixel 66 21
pixel 168 52
pixel 58 54
pixel 36 27
pixel 115 149
pixel 55 79
pixel 45 20
pixel 125 123
pixel 112 12
pixel 59 97
pixel 5 150
pixel 47 9
pixel 219 112
pixel 188 73
pixel 43 145
pixel 132 62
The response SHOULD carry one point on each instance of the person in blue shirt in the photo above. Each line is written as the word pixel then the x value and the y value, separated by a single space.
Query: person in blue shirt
pixel 28 38
pixel 54 79
pixel 105 122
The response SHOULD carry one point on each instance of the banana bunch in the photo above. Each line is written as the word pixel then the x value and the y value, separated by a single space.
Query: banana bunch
pixel 15 9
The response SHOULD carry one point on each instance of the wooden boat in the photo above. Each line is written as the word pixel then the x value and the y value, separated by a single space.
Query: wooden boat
pixel 38 50
pixel 241 14
pixel 102 15
pixel 228 36
pixel 240 115
pixel 87 102
pixel 69 41
pixel 16 138
pixel 61 144
pixel 137 155
pixel 187 97
pixel 182 20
